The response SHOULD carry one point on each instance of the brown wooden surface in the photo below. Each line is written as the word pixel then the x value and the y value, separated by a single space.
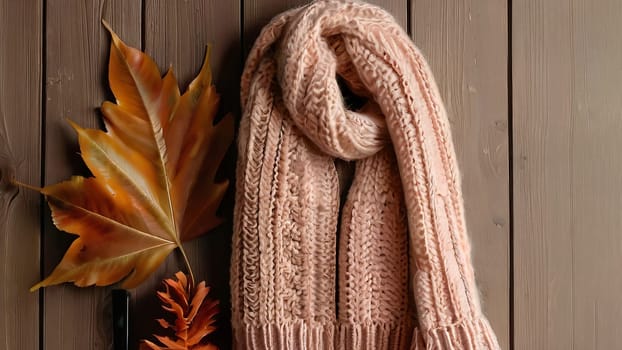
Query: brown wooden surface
pixel 565 185
pixel 567 174
pixel 465 43
pixel 77 49
pixel 175 33
pixel 20 157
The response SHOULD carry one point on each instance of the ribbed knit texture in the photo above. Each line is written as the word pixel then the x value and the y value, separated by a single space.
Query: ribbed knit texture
pixel 391 268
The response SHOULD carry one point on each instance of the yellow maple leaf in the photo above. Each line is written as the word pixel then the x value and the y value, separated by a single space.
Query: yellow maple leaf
pixel 154 174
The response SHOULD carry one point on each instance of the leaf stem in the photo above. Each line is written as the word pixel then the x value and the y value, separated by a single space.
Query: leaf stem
pixel 187 262
pixel 21 184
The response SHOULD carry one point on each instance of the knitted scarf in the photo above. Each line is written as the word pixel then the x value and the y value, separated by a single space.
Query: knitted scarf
pixel 391 267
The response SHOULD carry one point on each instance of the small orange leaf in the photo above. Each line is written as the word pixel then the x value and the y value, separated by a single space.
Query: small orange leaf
pixel 193 322
pixel 154 175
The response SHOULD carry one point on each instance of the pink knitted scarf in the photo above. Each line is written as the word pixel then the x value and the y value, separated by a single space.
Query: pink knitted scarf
pixel 391 268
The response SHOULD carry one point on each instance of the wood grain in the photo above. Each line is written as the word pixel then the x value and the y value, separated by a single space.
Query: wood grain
pixel 567 182
pixel 567 174
pixel 20 158
pixel 465 43
pixel 77 48
pixel 177 34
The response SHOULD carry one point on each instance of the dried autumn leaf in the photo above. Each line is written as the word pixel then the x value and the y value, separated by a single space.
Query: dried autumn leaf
pixel 154 174
pixel 194 315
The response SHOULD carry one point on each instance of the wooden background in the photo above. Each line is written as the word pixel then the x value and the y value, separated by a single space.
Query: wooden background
pixel 533 92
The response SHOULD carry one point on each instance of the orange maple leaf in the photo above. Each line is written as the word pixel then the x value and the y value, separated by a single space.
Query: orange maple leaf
pixel 154 175
pixel 194 315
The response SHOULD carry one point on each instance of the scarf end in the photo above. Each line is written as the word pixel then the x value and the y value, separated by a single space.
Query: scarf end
pixel 466 335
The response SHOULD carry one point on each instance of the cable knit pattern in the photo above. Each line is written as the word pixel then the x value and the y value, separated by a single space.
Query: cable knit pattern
pixel 391 269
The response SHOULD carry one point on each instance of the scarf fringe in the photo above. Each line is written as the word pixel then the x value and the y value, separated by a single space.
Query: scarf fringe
pixel 466 335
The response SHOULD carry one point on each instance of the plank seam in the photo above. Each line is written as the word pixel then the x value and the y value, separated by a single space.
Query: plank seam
pixel 510 172
pixel 409 17
pixel 143 24
pixel 243 45
pixel 42 138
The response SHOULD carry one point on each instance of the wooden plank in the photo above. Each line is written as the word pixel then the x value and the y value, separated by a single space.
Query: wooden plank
pixel 257 13
pixel 20 157
pixel 465 43
pixel 77 48
pixel 177 33
pixel 567 182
